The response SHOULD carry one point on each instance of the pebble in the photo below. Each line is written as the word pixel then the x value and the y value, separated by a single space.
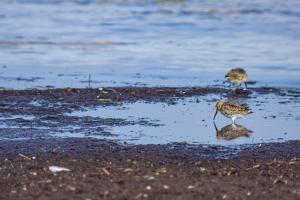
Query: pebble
pixel 33 173
pixel 71 188
pixel 148 187
pixel 58 169
pixel 224 196
pixel 166 187
pixel 202 169
pixel 128 170
pixel 190 187
pixel 149 177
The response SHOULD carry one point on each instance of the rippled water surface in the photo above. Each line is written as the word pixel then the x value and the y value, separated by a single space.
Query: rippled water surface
pixel 59 43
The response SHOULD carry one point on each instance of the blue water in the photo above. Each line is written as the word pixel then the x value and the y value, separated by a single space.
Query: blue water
pixel 191 121
pixel 188 120
pixel 175 43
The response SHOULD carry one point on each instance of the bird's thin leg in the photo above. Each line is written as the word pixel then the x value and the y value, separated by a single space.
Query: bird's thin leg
pixel 233 121
pixel 232 88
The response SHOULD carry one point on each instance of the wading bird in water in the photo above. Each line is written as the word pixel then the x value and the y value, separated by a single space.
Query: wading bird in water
pixel 237 76
pixel 231 110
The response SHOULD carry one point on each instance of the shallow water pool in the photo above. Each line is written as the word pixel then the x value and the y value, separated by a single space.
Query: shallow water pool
pixel 190 120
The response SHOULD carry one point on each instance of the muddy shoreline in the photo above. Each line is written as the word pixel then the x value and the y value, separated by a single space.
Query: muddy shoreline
pixel 105 169
pixel 112 169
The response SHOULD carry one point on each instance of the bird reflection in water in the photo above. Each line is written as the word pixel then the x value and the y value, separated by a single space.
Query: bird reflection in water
pixel 232 131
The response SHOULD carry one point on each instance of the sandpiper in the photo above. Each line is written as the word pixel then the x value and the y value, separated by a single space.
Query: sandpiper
pixel 231 110
pixel 232 131
pixel 237 76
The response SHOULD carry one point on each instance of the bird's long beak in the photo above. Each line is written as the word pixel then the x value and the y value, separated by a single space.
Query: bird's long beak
pixel 216 127
pixel 215 114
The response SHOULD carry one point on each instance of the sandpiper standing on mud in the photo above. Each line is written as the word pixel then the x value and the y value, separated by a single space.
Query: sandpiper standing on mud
pixel 231 110
pixel 237 76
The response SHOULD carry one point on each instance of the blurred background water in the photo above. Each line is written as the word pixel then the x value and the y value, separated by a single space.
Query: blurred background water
pixel 176 43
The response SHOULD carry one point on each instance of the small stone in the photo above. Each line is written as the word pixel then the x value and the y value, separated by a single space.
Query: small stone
pixel 33 173
pixel 166 187
pixel 256 166
pixel 202 169
pixel 190 187
pixel 138 196
pixel 296 192
pixel 71 188
pixel 248 193
pixel 149 178
pixel 58 169
pixel 162 170
pixel 128 170
pixel 148 187
pixel 224 196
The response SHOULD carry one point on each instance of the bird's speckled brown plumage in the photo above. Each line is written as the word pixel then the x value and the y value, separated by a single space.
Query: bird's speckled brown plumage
pixel 232 110
pixel 237 76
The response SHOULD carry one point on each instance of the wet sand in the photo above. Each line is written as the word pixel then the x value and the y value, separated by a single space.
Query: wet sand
pixel 115 170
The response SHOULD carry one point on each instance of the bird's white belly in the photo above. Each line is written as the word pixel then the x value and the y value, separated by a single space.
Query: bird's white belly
pixel 231 115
